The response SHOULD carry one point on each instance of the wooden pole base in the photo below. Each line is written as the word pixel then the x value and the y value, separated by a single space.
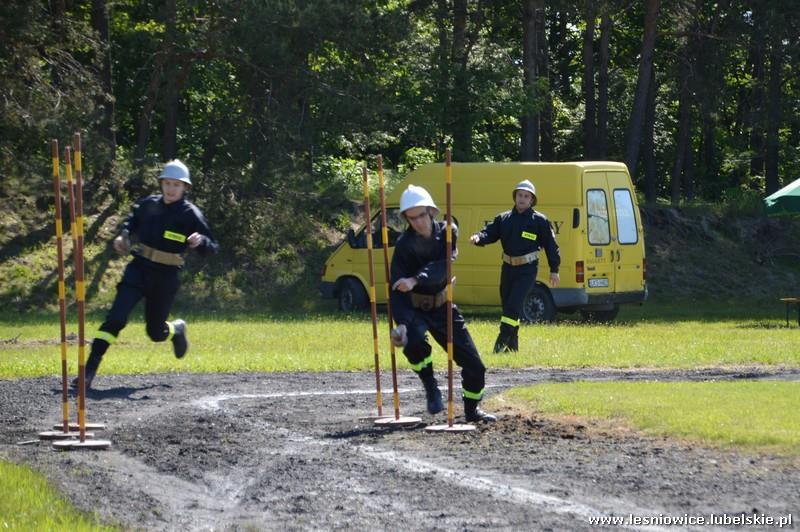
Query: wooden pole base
pixel 402 421
pixel 92 445
pixel 75 426
pixel 61 435
pixel 374 417
pixel 450 428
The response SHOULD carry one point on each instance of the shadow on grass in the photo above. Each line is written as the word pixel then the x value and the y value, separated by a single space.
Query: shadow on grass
pixel 707 310
pixel 767 325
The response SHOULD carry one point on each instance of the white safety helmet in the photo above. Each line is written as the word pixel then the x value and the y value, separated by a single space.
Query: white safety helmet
pixel 415 196
pixel 175 169
pixel 527 186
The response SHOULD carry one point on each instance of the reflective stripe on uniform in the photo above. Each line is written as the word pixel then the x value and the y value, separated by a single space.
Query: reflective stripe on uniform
pixel 529 236
pixel 177 237
pixel 419 367
pixel 509 321
pixel 105 336
pixel 473 395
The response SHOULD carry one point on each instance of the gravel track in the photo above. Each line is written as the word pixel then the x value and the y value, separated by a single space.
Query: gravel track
pixel 289 451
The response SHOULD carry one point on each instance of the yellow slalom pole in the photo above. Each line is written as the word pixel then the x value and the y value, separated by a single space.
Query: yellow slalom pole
pixel 80 288
pixel 62 303
pixel 72 227
pixel 449 255
pixel 372 302
pixel 73 231
pixel 385 240
pixel 76 219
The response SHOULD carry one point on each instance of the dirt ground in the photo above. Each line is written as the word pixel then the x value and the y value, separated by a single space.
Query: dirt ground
pixel 291 452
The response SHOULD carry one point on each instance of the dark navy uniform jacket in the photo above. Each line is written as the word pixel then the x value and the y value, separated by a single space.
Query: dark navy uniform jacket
pixel 166 227
pixel 521 234
pixel 423 258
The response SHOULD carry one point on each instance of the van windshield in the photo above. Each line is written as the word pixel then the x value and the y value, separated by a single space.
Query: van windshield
pixel 396 225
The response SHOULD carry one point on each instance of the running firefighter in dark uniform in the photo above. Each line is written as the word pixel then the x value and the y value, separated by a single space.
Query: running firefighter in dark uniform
pixel 523 233
pixel 418 299
pixel 166 225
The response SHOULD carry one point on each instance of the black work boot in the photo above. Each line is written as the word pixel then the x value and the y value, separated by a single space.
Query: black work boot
pixel 90 371
pixel 433 396
pixel 513 340
pixel 501 344
pixel 179 342
pixel 472 413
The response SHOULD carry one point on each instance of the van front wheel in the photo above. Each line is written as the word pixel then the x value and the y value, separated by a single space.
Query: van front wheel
pixel 538 306
pixel 352 296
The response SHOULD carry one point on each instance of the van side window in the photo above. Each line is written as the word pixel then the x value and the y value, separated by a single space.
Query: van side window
pixel 626 219
pixel 597 217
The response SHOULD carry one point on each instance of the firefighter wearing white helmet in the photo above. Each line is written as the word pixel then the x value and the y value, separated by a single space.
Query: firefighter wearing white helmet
pixel 175 169
pixel 166 225
pixel 524 233
pixel 415 196
pixel 418 297
pixel 527 186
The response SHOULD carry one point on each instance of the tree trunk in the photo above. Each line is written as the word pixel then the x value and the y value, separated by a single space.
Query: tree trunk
pixel 558 38
pixel 135 184
pixel 443 66
pixel 708 84
pixel 105 101
pixel 756 108
pixel 606 25
pixel 590 116
pixel 462 122
pixel 709 152
pixel 143 126
pixel 684 125
pixel 649 154
pixel 634 134
pixel 546 113
pixel 774 105
pixel 529 142
pixel 58 13
pixel 169 146
pixel 688 171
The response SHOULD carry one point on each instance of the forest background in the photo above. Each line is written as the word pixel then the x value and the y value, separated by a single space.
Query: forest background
pixel 276 104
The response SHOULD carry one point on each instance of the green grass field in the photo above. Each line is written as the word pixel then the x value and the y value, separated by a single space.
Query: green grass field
pixel 30 503
pixel 326 342
pixel 757 415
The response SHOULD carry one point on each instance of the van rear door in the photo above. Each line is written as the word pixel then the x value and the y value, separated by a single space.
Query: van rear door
pixel 601 250
pixel 629 249
pixel 616 248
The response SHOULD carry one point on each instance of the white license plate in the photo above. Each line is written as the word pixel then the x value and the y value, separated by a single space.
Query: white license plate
pixel 598 283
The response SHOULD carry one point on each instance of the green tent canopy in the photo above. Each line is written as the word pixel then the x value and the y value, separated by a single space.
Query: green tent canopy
pixel 784 201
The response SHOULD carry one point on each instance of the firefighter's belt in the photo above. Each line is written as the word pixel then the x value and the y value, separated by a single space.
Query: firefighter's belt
pixel 522 259
pixel 428 302
pixel 160 257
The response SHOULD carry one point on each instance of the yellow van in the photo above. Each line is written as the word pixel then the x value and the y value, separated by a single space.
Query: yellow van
pixel 591 206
